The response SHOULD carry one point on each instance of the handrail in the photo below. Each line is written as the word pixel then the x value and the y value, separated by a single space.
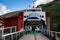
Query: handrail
pixel 5 35
pixel 53 31
pixel 10 34
pixel 8 27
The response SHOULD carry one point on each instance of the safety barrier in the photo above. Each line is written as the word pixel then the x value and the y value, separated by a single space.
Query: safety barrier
pixel 10 33
pixel 18 34
pixel 13 36
pixel 50 34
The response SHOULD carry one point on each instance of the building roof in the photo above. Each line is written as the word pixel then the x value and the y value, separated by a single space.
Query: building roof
pixel 16 13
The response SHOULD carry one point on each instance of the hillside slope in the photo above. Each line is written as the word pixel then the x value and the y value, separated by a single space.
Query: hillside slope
pixel 54 8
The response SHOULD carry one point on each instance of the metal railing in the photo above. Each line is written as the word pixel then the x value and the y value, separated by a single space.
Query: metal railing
pixel 53 33
pixel 10 33
pixel 6 31
pixel 16 34
pixel 11 36
pixel 9 29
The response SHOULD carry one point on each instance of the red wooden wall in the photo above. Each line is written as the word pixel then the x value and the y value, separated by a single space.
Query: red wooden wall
pixel 20 20
pixel 16 20
pixel 10 21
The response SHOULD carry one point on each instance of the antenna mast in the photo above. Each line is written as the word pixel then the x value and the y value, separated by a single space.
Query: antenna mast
pixel 33 4
pixel 29 6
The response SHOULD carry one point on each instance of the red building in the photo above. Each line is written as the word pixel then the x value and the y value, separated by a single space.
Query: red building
pixel 13 19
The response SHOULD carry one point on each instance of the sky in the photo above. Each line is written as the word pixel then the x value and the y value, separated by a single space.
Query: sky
pixel 14 5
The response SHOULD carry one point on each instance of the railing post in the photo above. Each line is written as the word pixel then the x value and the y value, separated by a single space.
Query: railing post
pixel 16 36
pixel 11 32
pixel 56 35
pixel 19 34
pixel 2 34
pixel 15 28
pixel 49 33
pixel 16 33
pixel 12 37
pixel 3 38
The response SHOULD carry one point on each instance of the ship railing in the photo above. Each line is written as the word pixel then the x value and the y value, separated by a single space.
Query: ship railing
pixel 50 34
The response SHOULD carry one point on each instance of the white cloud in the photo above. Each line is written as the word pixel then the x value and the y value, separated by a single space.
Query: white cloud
pixel 3 9
pixel 38 2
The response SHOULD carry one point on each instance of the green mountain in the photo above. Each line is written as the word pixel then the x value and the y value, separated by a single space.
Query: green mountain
pixel 54 8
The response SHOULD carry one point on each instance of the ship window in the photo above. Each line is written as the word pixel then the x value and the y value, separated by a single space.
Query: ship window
pixel 42 16
pixel 33 10
pixel 25 16
pixel 33 18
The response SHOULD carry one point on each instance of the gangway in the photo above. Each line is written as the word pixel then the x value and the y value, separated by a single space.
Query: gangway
pixel 34 37
pixel 21 35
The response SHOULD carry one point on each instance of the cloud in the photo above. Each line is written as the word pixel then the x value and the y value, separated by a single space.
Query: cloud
pixel 38 2
pixel 3 9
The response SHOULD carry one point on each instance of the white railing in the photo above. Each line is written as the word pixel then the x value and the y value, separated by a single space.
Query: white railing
pixel 52 33
pixel 16 33
pixel 9 29
pixel 11 35
pixel 5 33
